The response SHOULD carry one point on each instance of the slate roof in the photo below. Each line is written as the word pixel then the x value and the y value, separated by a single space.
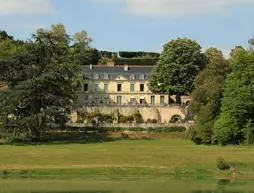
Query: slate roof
pixel 114 71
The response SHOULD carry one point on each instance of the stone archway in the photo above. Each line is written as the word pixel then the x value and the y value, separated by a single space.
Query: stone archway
pixel 176 119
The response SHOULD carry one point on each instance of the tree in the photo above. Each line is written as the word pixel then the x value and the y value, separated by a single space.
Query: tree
pixel 178 65
pixel 83 54
pixel 212 52
pixel 235 50
pixel 206 98
pixel 238 100
pixel 44 80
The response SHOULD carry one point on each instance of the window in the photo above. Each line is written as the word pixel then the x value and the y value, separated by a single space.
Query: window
pixel 152 100
pixel 96 98
pixel 162 99
pixel 132 77
pixel 86 98
pixel 132 101
pixel 96 76
pixel 96 87
pixel 142 87
pixel 142 101
pixel 142 77
pixel 85 87
pixel 106 76
pixel 106 100
pixel 119 87
pixel 132 87
pixel 106 87
pixel 119 100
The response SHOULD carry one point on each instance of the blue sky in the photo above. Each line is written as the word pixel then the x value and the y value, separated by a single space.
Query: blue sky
pixel 136 24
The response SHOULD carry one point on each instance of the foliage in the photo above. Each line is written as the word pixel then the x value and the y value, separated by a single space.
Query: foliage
pixel 235 50
pixel 212 53
pixel 104 61
pixel 107 54
pixel 178 65
pixel 166 129
pixel 193 135
pixel 206 98
pixel 238 100
pixel 138 117
pixel 135 61
pixel 151 121
pixel 129 54
pixel 248 131
pixel 126 119
pixel 43 81
pixel 222 164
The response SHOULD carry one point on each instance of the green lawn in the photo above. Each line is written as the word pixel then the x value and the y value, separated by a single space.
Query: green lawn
pixel 114 157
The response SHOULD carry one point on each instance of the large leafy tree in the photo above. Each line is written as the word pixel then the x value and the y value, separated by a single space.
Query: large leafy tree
pixel 238 100
pixel 43 82
pixel 206 98
pixel 178 65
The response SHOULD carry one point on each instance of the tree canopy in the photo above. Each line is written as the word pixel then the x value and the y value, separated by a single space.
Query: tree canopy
pixel 178 66
pixel 206 98
pixel 43 82
pixel 238 100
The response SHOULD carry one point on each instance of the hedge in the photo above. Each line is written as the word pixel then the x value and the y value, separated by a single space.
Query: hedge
pixel 133 54
pixel 134 129
pixel 166 129
pixel 135 61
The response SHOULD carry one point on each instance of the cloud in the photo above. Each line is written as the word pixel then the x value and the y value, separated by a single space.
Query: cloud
pixel 10 7
pixel 174 7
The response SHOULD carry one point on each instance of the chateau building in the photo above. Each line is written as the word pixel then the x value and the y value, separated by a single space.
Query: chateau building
pixel 119 85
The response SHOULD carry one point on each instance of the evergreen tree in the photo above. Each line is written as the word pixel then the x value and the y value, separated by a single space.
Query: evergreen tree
pixel 43 83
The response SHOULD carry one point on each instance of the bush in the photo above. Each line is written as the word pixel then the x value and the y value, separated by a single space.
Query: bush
pixel 166 129
pixel 193 136
pixel 126 119
pixel 80 121
pixel 222 164
pixel 138 117
pixel 107 118
pixel 151 121
pixel 137 129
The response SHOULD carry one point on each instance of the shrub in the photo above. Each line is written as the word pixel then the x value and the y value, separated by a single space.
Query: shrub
pixel 107 118
pixel 138 117
pixel 154 121
pixel 126 119
pixel 249 132
pixel 166 129
pixel 193 136
pixel 222 164
pixel 137 129
pixel 149 121
pixel 80 121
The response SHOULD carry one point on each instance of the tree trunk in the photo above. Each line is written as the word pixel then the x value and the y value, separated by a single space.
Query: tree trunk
pixel 178 98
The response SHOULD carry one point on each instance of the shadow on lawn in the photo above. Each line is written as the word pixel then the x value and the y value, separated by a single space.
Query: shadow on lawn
pixel 60 138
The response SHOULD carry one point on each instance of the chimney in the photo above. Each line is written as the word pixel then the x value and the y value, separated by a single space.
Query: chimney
pixel 126 67
pixel 91 66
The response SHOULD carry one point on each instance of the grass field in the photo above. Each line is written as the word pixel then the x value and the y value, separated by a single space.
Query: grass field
pixel 103 157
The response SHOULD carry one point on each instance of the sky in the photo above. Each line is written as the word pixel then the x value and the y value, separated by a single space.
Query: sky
pixel 136 25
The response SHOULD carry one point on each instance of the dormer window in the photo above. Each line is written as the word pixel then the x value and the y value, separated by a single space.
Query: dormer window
pixel 132 77
pixel 96 76
pixel 142 77
pixel 105 76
